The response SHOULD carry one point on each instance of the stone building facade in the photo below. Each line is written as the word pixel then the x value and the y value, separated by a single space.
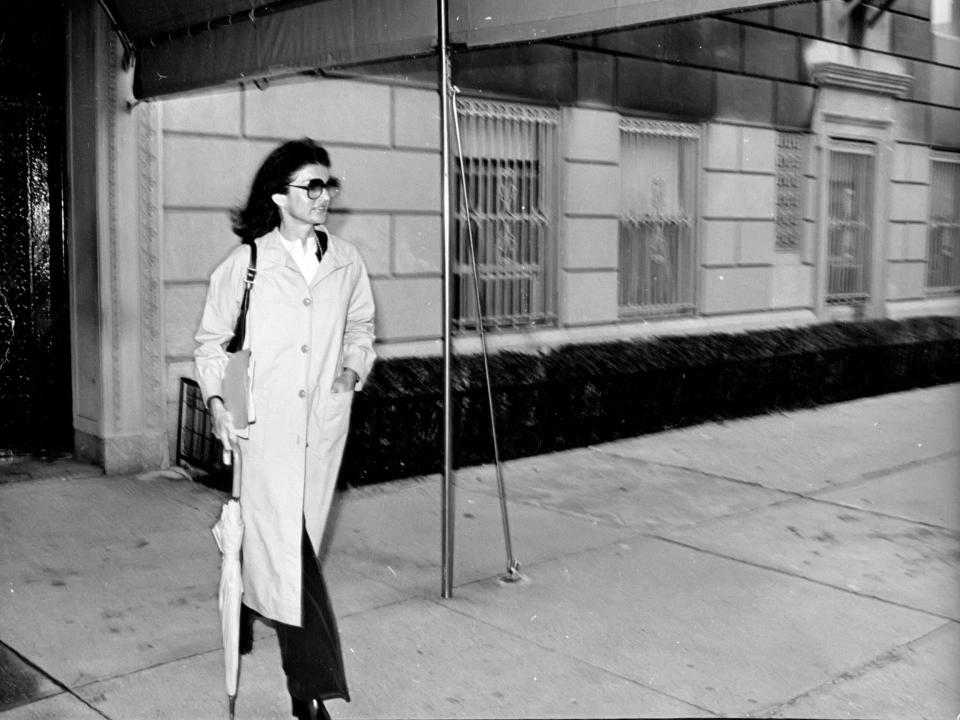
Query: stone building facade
pixel 778 167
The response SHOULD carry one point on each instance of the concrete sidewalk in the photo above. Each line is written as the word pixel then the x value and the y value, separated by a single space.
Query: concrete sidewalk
pixel 794 565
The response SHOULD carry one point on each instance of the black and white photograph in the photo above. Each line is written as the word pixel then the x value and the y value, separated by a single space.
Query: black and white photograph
pixel 479 359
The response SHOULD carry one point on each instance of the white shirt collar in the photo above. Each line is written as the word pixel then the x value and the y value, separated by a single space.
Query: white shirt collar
pixel 306 260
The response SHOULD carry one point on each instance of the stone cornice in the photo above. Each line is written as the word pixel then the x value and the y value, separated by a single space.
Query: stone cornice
pixel 877 82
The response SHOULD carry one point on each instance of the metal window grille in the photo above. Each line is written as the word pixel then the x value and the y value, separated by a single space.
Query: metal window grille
pixel 943 239
pixel 789 217
pixel 659 168
pixel 196 444
pixel 850 224
pixel 509 163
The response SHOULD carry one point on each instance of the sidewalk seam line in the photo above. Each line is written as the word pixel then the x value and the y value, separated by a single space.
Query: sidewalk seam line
pixel 555 651
pixel 814 496
pixel 889 516
pixel 855 672
pixel 822 583
pixel 608 523
pixel 64 688
pixel 629 534
pixel 852 482
pixel 920 462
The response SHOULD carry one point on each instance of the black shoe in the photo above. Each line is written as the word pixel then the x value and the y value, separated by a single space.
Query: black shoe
pixel 308 709
pixel 246 629
pixel 300 709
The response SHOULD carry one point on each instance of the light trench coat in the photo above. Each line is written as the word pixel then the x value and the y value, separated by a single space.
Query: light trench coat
pixel 300 337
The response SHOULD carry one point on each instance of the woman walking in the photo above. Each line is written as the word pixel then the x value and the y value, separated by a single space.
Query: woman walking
pixel 309 328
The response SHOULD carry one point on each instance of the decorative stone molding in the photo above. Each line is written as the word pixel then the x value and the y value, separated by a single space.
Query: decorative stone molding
pixel 856 102
pixel 119 320
pixel 116 381
pixel 833 65
pixel 151 318
pixel 877 82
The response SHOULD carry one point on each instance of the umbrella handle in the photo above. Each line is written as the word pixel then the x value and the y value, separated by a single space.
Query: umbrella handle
pixel 237 462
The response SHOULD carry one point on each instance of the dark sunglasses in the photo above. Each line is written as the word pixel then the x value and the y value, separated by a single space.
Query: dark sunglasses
pixel 316 187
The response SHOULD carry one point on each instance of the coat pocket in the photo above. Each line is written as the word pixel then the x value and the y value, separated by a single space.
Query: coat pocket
pixel 334 415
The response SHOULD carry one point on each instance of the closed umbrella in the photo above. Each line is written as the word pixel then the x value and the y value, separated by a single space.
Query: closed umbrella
pixel 228 533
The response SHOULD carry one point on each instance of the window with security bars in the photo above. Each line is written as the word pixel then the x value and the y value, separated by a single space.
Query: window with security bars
pixel 659 168
pixel 943 239
pixel 508 163
pixel 789 217
pixel 850 224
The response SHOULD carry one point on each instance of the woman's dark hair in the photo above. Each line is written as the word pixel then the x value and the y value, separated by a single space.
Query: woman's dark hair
pixel 260 215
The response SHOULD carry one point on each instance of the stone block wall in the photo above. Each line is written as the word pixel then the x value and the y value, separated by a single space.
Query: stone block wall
pixel 739 269
pixel 590 209
pixel 739 210
pixel 908 216
pixel 384 145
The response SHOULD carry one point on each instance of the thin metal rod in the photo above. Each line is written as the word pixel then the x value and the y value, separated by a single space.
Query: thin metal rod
pixel 513 567
pixel 128 48
pixel 447 500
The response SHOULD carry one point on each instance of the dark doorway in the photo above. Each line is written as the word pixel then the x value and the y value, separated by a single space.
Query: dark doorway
pixel 35 397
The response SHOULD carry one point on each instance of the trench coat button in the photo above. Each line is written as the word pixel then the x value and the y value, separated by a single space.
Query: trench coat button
pixel 304 348
pixel 302 393
pixel 307 301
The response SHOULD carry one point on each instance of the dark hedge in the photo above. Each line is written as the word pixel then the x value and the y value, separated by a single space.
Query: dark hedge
pixel 575 395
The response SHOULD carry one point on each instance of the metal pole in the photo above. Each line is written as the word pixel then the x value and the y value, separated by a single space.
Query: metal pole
pixel 447 510
pixel 513 566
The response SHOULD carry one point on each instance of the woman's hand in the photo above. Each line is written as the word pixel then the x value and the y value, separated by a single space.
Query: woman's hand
pixel 223 428
pixel 345 381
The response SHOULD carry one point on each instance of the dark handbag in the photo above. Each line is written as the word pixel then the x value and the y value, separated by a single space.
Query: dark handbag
pixel 236 389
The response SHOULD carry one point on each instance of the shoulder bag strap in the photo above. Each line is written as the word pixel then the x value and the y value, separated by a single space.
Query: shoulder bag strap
pixel 236 342
pixel 321 244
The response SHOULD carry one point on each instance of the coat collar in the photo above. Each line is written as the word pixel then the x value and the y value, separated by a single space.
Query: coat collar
pixel 272 251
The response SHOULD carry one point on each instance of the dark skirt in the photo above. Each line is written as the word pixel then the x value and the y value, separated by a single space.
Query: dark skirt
pixel 311 654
